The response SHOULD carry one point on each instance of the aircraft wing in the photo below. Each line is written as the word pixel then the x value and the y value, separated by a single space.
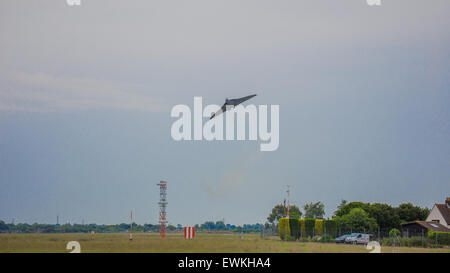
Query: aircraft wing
pixel 220 111
pixel 233 102
pixel 241 100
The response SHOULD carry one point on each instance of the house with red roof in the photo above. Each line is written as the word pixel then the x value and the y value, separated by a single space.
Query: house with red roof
pixel 440 213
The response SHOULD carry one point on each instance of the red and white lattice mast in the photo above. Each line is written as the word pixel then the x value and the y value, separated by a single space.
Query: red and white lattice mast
pixel 162 208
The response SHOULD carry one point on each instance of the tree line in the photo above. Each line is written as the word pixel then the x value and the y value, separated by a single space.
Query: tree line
pixel 349 216
pixel 355 215
pixel 123 227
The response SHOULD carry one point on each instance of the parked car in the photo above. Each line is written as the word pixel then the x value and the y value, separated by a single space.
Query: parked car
pixel 350 239
pixel 341 239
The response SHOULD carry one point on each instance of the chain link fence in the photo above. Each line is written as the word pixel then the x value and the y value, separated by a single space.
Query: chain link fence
pixel 410 238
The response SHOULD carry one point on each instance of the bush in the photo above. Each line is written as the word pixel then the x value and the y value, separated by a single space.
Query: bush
pixel 302 228
pixel 289 238
pixel 417 242
pixel 394 233
pixel 318 227
pixel 403 241
pixel 357 220
pixel 289 229
pixel 327 239
pixel 330 228
pixel 441 238
pixel 385 242
pixel 409 242
pixel 309 227
pixel 394 241
pixel 283 228
pixel 294 226
pixel 304 239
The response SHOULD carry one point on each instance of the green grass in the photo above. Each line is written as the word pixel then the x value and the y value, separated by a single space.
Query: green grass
pixel 205 243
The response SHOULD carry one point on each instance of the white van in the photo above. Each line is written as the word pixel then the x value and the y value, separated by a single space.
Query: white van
pixel 361 239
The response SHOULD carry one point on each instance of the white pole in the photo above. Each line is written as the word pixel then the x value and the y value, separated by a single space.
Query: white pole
pixel 131 225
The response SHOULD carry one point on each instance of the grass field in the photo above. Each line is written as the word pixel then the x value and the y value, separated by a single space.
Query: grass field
pixel 205 243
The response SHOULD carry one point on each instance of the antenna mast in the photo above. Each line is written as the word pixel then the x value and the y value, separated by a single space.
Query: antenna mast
pixel 131 225
pixel 162 208
pixel 288 192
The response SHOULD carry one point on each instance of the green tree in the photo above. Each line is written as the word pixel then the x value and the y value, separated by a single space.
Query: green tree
pixel 280 211
pixel 342 204
pixel 357 220
pixel 347 207
pixel 393 233
pixel 220 225
pixel 3 227
pixel 208 225
pixel 171 227
pixel 385 215
pixel 314 210
pixel 407 212
pixel 294 215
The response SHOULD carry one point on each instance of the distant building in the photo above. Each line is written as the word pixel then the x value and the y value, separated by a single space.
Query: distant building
pixel 421 228
pixel 440 213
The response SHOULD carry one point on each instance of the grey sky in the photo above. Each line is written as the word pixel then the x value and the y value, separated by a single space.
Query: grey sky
pixel 86 93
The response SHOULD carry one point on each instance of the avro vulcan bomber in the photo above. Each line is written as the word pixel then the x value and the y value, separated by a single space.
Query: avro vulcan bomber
pixel 229 103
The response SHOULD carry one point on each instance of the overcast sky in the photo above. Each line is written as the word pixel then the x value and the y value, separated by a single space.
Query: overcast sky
pixel 86 94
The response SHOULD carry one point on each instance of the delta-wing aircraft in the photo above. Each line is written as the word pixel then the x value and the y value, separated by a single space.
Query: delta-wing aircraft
pixel 229 103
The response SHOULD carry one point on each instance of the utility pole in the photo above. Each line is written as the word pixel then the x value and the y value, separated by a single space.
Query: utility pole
pixel 288 192
pixel 131 225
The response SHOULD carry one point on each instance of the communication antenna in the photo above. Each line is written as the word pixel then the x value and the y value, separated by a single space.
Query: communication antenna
pixel 131 225
pixel 162 208
pixel 288 192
